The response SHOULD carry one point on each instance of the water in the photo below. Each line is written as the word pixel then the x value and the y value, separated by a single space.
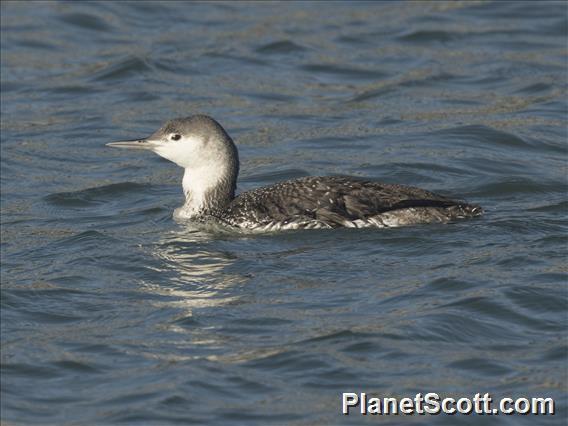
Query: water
pixel 113 313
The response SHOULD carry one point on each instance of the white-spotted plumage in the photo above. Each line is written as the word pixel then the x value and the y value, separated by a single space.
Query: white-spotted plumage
pixel 207 153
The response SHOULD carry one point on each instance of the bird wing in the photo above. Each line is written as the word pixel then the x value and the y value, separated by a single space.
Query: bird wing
pixel 331 199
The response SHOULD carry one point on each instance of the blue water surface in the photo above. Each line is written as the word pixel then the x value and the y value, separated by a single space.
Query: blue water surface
pixel 114 313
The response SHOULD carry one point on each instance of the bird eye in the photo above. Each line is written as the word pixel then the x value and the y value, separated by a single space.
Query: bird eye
pixel 175 137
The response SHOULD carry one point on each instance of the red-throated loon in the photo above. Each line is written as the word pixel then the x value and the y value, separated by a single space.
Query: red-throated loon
pixel 207 153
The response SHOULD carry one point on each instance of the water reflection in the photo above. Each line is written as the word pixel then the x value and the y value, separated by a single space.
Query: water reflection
pixel 199 275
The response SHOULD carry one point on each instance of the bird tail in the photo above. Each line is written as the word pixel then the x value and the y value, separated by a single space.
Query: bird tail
pixel 463 210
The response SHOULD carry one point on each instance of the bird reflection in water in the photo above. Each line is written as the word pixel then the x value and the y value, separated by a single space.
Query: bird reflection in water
pixel 198 276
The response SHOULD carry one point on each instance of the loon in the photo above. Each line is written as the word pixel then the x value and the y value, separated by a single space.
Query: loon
pixel 203 148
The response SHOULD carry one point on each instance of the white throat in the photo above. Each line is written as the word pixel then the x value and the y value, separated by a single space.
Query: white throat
pixel 199 185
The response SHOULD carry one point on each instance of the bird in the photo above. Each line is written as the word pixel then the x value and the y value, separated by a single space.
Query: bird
pixel 201 146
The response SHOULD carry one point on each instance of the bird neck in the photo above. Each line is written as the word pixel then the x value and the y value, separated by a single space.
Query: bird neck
pixel 207 190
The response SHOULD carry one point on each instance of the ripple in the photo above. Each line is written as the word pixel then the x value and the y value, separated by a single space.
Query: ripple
pixel 270 96
pixel 539 300
pixel 280 47
pixel 559 207
pixel 293 362
pixel 344 72
pixel 353 39
pixel 37 371
pixel 86 21
pixel 236 58
pixel 482 307
pixel 481 366
pixel 338 336
pixel 51 318
pixel 93 196
pixel 126 67
pixel 86 238
pixel 535 88
pixel 559 353
pixel 448 327
pixel 76 367
pixel 187 321
pixel 487 135
pixel 515 185
pixel 372 94
pixel 263 321
pixel 37 44
pixel 75 90
pixel 428 36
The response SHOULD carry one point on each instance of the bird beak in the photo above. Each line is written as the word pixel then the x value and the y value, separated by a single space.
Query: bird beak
pixel 134 144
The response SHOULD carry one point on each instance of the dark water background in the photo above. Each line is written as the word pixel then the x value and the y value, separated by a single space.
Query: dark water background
pixel 113 313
